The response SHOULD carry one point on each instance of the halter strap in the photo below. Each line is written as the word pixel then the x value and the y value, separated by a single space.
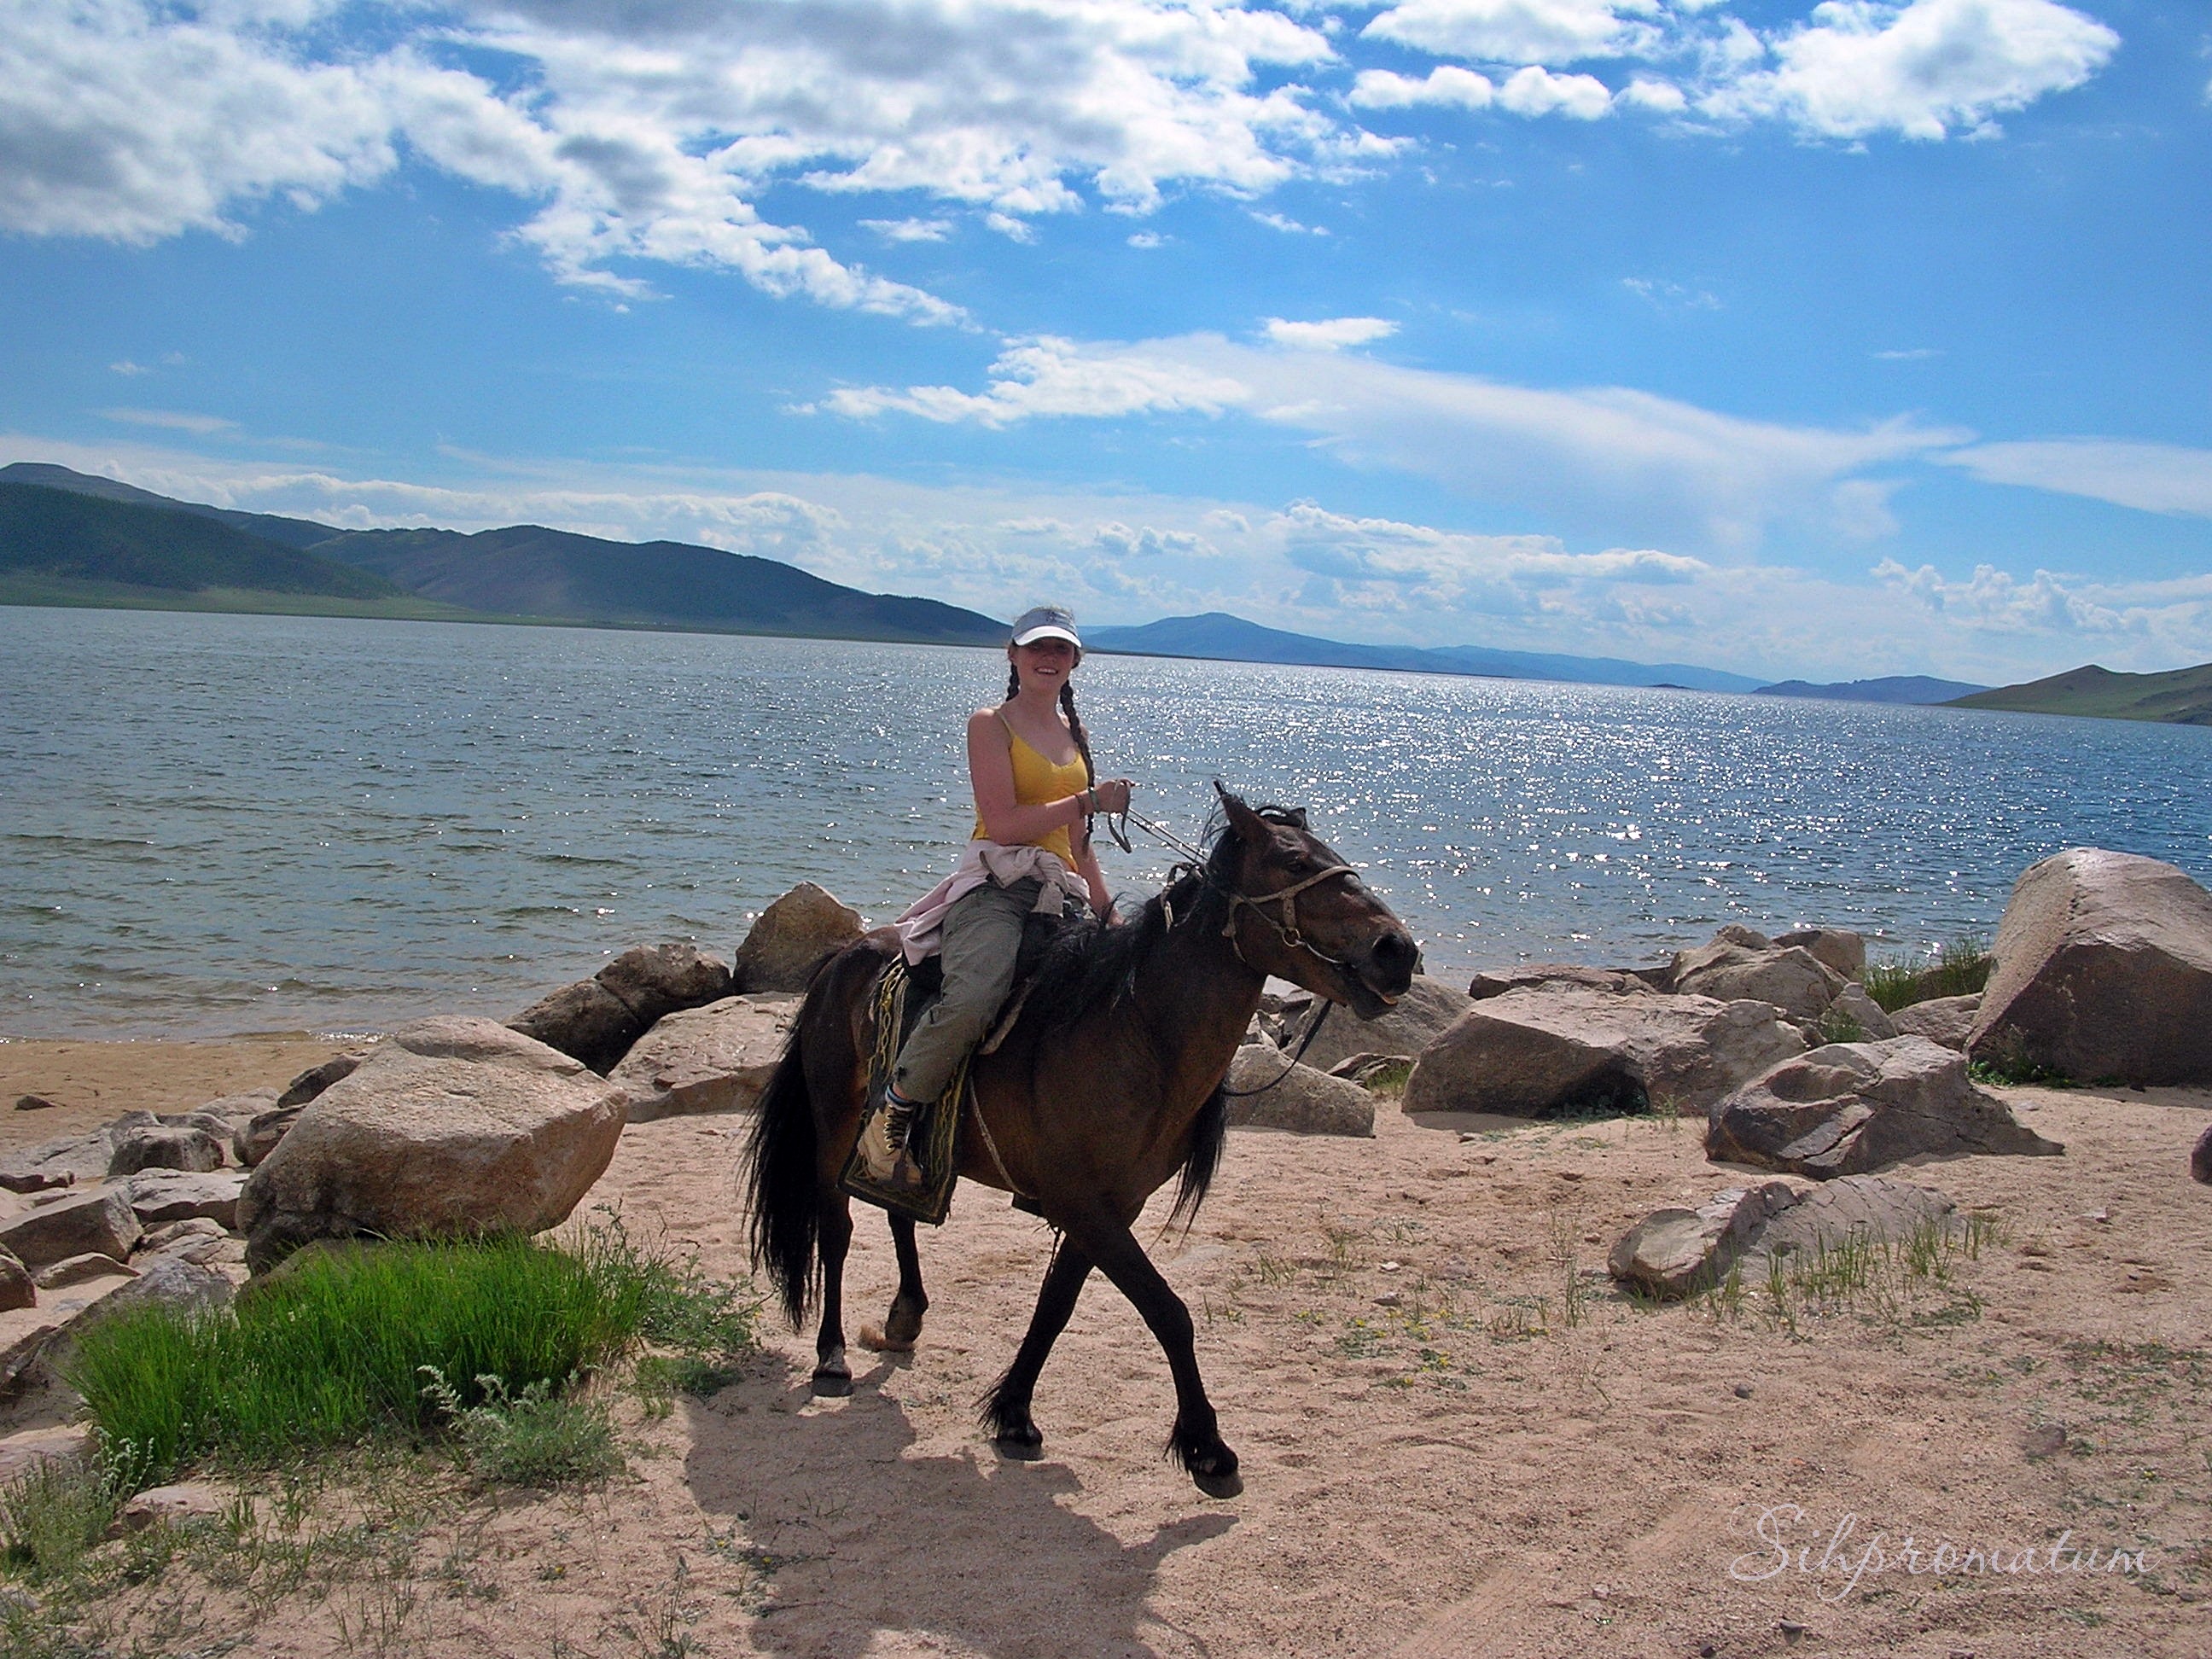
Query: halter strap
pixel 1287 929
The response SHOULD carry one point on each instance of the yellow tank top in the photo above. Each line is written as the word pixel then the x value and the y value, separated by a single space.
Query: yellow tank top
pixel 1038 782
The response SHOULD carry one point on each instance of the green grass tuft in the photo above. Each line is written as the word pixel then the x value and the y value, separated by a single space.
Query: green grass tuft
pixel 527 1439
pixel 1960 969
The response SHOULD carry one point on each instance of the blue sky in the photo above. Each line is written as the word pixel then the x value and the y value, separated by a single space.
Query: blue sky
pixel 1854 339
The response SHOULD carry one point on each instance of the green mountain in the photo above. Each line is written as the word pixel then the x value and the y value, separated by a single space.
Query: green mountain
pixel 2181 696
pixel 60 536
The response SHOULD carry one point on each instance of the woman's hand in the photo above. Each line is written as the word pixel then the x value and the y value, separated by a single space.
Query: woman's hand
pixel 1112 794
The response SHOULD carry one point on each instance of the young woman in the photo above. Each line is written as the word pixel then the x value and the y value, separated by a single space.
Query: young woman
pixel 1029 762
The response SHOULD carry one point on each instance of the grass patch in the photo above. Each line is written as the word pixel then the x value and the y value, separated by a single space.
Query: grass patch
pixel 2016 1070
pixel 1839 1025
pixel 526 1439
pixel 1961 968
pixel 55 1512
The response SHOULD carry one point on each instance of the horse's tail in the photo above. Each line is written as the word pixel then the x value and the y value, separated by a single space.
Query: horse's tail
pixel 1209 1133
pixel 781 1180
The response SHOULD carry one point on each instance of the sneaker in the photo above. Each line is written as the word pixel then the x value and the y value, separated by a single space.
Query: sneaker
pixel 883 1152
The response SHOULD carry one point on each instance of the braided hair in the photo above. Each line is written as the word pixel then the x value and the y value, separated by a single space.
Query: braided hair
pixel 1074 721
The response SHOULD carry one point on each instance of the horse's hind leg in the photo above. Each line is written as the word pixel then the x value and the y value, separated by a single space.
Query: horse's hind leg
pixel 1007 1407
pixel 903 1323
pixel 1196 1442
pixel 833 1376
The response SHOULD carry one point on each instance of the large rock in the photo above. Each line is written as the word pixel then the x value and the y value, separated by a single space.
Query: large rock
pixel 1677 1252
pixel 792 936
pixel 1854 1004
pixel 1496 982
pixel 65 1162
pixel 74 1224
pixel 2104 970
pixel 257 1138
pixel 1839 947
pixel 1301 1099
pixel 714 1059
pixel 1729 970
pixel 585 1021
pixel 1947 1020
pixel 1859 1206
pixel 164 1147
pixel 316 1079
pixel 1539 1052
pixel 451 1127
pixel 654 981
pixel 161 1196
pixel 17 1290
pixel 1418 1018
pixel 1854 1107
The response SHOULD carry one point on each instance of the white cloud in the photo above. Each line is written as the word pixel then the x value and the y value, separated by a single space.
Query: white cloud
pixel 1923 69
pixel 2156 477
pixel 1519 31
pixel 1147 239
pixel 1911 354
pixel 1447 83
pixel 910 230
pixel 1669 296
pixel 127 368
pixel 1148 541
pixel 1332 335
pixel 1652 467
pixel 1995 599
pixel 1289 226
pixel 174 420
pixel 1537 91
pixel 1660 97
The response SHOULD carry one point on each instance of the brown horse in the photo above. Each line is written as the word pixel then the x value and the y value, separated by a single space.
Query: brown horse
pixel 1108 1084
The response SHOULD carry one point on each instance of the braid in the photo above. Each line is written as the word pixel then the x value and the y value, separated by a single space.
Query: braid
pixel 1013 682
pixel 1075 727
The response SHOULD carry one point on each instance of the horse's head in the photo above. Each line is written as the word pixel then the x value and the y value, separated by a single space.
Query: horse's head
pixel 1299 912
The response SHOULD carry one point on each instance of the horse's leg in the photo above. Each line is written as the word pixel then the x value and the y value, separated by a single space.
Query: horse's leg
pixel 1196 1442
pixel 833 1376
pixel 1007 1407
pixel 903 1323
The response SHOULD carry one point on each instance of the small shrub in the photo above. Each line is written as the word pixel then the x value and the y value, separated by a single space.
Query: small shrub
pixel 54 1512
pixel 526 1439
pixel 1838 1024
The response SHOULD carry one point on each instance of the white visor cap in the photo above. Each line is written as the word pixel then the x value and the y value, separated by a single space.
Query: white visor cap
pixel 1046 621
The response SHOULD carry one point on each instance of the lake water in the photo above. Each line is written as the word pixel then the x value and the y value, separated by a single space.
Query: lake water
pixel 216 824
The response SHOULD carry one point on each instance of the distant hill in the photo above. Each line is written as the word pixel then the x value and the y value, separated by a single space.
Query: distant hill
pixel 1896 688
pixel 2181 696
pixel 522 572
pixel 1231 639
pixel 58 535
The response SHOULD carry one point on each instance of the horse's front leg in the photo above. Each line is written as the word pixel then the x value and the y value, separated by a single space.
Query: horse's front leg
pixel 833 1376
pixel 1196 1442
pixel 903 1323
pixel 1007 1407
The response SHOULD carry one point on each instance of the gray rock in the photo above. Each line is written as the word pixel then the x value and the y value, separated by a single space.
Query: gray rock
pixel 1419 1019
pixel 1302 1100
pixel 1861 1206
pixel 451 1127
pixel 655 981
pixel 170 1281
pixel 74 1224
pixel 1871 1018
pixel 1674 1252
pixel 238 1108
pixel 76 1269
pixel 168 1507
pixel 159 1196
pixel 1850 1108
pixel 17 1289
pixel 2200 1157
pixel 257 1137
pixel 159 1146
pixel 316 1079
pixel 1839 947
pixel 714 1059
pixel 2104 970
pixel 1792 979
pixel 1947 1020
pixel 1541 1052
pixel 1496 982
pixel 194 1239
pixel 35 1103
pixel 62 1163
pixel 792 936
pixel 585 1021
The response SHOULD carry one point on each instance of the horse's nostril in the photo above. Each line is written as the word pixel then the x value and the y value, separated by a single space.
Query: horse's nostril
pixel 1395 954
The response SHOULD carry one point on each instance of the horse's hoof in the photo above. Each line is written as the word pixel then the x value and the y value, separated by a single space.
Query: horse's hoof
pixel 1023 1445
pixel 832 1385
pixel 1218 1485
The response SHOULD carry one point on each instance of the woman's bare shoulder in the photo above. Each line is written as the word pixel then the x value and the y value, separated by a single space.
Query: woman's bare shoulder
pixel 984 721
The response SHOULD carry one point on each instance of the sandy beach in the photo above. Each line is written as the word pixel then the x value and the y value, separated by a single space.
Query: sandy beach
pixel 1448 1450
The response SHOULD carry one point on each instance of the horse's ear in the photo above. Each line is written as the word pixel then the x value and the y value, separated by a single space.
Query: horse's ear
pixel 1297 814
pixel 1251 829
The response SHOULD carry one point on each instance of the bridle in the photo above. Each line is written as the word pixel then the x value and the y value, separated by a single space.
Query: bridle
pixel 1195 863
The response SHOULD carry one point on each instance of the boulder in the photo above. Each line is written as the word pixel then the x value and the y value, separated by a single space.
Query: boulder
pixel 74 1224
pixel 1674 1252
pixel 1730 970
pixel 2200 1157
pixel 172 1282
pixel 168 1506
pixel 714 1059
pixel 16 1288
pixel 1837 947
pixel 316 1079
pixel 1947 1020
pixel 451 1127
pixel 195 1239
pixel 257 1137
pixel 2103 971
pixel 1496 982
pixel 238 1109
pixel 1856 1206
pixel 1539 1052
pixel 654 981
pixel 792 936
pixel 160 1146
pixel 161 1196
pixel 1854 1004
pixel 1418 1018
pixel 1302 1100
pixel 1854 1107
pixel 76 1269
pixel 62 1163
pixel 585 1021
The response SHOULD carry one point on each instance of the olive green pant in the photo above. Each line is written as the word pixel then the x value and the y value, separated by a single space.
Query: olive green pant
pixel 982 936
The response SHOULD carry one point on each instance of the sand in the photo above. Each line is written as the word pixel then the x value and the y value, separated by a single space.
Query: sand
pixel 1447 1452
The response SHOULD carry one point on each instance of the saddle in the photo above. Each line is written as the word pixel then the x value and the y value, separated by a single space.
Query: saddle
pixel 901 996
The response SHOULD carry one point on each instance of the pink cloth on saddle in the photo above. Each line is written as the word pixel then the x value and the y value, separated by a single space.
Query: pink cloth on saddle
pixel 921 928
